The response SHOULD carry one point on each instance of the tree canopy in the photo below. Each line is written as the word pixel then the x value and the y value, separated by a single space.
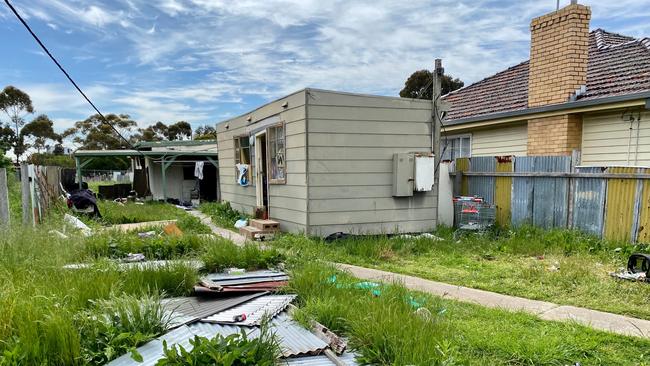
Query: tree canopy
pixel 41 129
pixel 16 104
pixel 159 131
pixel 416 83
pixel 206 132
pixel 94 134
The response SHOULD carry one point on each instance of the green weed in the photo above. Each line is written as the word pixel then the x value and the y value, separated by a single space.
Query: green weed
pixel 220 254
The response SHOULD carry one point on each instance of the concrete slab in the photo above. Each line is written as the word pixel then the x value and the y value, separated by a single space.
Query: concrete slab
pixel 140 225
pixel 206 220
pixel 545 310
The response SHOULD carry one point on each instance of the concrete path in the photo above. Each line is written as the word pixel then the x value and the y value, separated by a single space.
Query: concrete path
pixel 545 310
pixel 206 220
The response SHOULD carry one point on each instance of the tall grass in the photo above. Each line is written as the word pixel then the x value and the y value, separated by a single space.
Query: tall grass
pixel 40 301
pixel 222 214
pixel 220 253
pixel 116 244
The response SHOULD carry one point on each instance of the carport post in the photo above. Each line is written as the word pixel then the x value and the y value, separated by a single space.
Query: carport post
pixel 165 165
pixel 79 164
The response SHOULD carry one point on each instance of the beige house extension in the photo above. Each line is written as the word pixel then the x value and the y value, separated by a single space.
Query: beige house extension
pixel 580 91
pixel 322 162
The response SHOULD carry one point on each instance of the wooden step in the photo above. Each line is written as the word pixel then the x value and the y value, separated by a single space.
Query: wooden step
pixel 266 225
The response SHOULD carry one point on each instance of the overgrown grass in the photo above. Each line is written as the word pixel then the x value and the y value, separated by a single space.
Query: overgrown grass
pixel 560 266
pixel 40 301
pixel 116 244
pixel 220 253
pixel 114 213
pixel 385 328
pixel 222 214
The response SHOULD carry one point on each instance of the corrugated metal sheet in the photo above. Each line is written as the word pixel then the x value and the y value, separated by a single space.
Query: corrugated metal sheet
pixel 482 186
pixel 643 228
pixel 620 217
pixel 294 340
pixel 550 195
pixel 224 278
pixel 522 192
pixel 186 309
pixel 255 310
pixel 589 202
pixel 503 190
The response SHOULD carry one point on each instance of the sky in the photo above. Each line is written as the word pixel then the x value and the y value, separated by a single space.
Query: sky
pixel 204 61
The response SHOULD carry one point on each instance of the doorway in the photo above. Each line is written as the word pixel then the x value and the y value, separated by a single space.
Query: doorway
pixel 261 181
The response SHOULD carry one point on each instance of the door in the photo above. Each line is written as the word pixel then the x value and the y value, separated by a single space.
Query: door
pixel 261 181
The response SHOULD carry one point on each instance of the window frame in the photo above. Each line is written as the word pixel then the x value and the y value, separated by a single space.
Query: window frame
pixel 269 171
pixel 457 136
pixel 237 155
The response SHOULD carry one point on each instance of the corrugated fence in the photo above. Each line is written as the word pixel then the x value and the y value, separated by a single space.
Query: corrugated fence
pixel 617 209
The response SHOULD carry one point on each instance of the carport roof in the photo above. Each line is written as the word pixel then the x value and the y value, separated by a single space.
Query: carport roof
pixel 98 153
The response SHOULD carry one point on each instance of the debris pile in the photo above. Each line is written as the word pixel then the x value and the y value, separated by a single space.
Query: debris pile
pixel 255 281
pixel 225 314
pixel 638 268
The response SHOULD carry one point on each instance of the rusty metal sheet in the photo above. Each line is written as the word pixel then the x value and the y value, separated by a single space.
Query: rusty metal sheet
pixel 589 202
pixel 619 205
pixel 462 165
pixel 482 186
pixel 522 192
pixel 503 190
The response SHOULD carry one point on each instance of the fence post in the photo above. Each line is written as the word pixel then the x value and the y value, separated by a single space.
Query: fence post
pixel 26 196
pixel 575 161
pixel 4 198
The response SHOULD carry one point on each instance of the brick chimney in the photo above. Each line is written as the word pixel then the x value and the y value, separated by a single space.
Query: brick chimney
pixel 559 50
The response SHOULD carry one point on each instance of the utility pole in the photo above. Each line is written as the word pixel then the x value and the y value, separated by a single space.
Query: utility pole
pixel 435 111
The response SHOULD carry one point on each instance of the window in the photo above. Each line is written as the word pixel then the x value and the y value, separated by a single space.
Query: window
pixel 243 153
pixel 459 146
pixel 276 149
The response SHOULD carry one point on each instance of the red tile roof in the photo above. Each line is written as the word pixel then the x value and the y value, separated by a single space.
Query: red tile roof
pixel 618 65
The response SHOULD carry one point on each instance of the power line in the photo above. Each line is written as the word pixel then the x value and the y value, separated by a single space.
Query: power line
pixel 103 118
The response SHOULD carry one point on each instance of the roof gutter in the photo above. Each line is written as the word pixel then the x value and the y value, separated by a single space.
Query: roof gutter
pixel 619 101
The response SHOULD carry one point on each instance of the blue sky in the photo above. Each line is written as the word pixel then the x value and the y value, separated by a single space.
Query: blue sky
pixel 206 60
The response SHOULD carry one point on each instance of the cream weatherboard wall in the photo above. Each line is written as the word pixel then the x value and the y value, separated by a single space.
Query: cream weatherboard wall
pixel 351 142
pixel 608 140
pixel 287 202
pixel 510 140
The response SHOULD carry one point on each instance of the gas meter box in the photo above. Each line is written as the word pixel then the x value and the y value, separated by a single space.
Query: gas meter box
pixel 403 168
pixel 425 166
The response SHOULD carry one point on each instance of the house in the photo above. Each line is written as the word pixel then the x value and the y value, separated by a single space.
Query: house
pixel 580 91
pixel 321 162
pixel 166 169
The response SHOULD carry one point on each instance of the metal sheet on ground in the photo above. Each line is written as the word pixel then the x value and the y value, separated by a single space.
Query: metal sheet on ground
pixel 255 310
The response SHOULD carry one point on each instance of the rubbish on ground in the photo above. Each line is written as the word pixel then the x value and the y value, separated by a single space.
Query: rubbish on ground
pixel 140 225
pixel 638 268
pixel 235 271
pixel 473 213
pixel 254 311
pixel 74 221
pixel 59 234
pixel 184 208
pixel 554 267
pixel 139 203
pixel 172 230
pixel 143 265
pixel 424 313
pixel 134 257
pixel 337 236
pixel 83 201
pixel 418 236
pixel 253 281
pixel 147 234
pixel 241 223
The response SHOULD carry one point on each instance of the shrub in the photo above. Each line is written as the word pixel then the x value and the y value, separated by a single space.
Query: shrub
pixel 118 325
pixel 222 213
pixel 235 349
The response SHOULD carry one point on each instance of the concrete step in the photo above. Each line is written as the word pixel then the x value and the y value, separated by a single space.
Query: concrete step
pixel 266 225
pixel 253 233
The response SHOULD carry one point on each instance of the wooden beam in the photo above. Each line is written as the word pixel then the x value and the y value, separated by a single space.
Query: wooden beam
pixel 4 198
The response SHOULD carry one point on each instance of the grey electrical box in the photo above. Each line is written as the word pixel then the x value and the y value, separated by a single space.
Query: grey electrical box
pixel 403 168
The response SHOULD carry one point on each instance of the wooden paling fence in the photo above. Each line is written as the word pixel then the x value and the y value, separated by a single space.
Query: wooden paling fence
pixel 555 192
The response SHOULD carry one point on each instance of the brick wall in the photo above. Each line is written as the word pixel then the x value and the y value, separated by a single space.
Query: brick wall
pixel 558 135
pixel 558 55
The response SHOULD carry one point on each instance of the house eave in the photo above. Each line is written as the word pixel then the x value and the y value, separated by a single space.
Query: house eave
pixel 581 106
